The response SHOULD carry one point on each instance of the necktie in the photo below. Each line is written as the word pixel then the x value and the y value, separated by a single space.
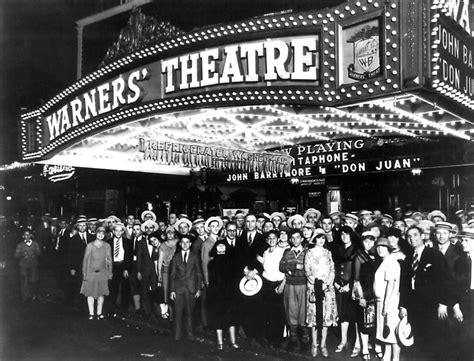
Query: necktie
pixel 116 249
pixel 83 237
pixel 232 243
pixel 414 264
pixel 185 257
pixel 250 239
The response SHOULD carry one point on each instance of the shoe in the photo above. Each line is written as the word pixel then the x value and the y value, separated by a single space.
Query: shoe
pixel 220 346
pixel 235 346
pixel 365 356
pixel 100 317
pixel 314 350
pixel 341 347
pixel 355 352
pixel 91 317
pixel 324 351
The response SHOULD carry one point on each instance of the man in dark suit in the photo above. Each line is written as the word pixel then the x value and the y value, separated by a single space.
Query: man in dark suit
pixel 75 256
pixel 147 259
pixel 122 256
pixel 60 253
pixel 201 236
pixel 424 295
pixel 249 246
pixel 464 303
pixel 185 286
pixel 451 253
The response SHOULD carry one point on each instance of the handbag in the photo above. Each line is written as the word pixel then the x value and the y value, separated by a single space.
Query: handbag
pixel 370 315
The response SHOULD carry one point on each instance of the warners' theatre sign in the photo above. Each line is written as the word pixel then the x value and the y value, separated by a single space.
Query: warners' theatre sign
pixel 295 58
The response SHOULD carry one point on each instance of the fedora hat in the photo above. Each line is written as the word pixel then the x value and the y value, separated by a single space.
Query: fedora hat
pixel 213 219
pixel 280 215
pixel 294 218
pixel 149 223
pixel 181 221
pixel 250 287
pixel 403 332
pixel 437 213
pixel 311 210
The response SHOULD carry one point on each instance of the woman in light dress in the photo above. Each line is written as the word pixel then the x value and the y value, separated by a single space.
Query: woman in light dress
pixel 321 307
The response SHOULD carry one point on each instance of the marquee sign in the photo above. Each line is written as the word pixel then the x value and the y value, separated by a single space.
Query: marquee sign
pixel 212 157
pixel 350 156
pixel 341 56
pixel 452 52
pixel 281 58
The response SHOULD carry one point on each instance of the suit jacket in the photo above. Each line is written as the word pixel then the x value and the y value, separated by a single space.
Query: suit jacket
pixel 196 246
pixel 462 270
pixel 146 264
pixel 76 249
pixel 431 281
pixel 127 245
pixel 185 276
pixel 248 253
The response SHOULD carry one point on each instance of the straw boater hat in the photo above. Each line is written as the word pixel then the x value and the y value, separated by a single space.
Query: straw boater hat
pixel 311 210
pixel 183 220
pixel 467 233
pixel 336 213
pixel 294 218
pixel 469 224
pixel 119 225
pixel 198 220
pixel 149 223
pixel 387 216
pixel 426 225
pixel 437 213
pixel 418 214
pixel 459 212
pixel 365 212
pixel 403 332
pixel 92 220
pixel 444 225
pixel 352 217
pixel 250 287
pixel 280 215
pixel 213 219
pixel 147 212
pixel 113 218
pixel 81 220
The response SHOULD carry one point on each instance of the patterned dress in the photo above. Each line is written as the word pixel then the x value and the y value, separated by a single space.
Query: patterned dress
pixel 318 264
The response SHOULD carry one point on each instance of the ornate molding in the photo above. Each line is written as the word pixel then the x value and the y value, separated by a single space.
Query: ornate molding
pixel 141 31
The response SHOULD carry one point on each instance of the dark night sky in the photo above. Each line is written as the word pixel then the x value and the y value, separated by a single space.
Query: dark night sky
pixel 38 45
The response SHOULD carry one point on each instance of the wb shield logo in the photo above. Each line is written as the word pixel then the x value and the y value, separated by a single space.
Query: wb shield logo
pixel 366 63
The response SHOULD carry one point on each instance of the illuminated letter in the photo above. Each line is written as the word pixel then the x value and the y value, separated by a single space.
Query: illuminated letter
pixel 133 87
pixel 275 63
pixel 89 99
pixel 231 66
pixel 168 66
pixel 209 67
pixel 251 52
pixel 118 86
pixel 104 104
pixel 65 123
pixel 76 107
pixel 54 123
pixel 304 67
pixel 186 71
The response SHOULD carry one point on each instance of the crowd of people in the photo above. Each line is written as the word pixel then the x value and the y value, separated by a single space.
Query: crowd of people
pixel 383 281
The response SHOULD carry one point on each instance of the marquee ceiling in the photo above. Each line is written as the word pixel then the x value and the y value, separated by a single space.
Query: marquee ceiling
pixel 262 127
